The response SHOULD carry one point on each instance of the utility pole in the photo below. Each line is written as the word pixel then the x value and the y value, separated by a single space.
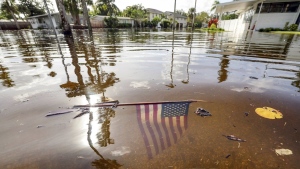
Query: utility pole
pixel 194 15
pixel 174 26
pixel 64 21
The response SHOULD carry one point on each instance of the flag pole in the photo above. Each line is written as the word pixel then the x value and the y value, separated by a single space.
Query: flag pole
pixel 116 103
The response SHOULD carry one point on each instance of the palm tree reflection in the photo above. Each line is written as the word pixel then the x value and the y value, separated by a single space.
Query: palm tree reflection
pixel 103 138
pixel 4 75
pixel 171 85
pixel 223 72
pixel 296 83
pixel 96 84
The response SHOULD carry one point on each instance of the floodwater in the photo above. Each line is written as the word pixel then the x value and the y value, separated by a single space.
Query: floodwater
pixel 231 75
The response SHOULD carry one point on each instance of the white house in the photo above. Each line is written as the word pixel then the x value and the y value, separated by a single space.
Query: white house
pixel 152 13
pixel 98 21
pixel 256 14
pixel 181 20
pixel 42 21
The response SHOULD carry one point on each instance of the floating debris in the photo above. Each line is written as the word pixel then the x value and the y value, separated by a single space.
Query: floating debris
pixel 232 137
pixel 246 113
pixel 83 111
pixel 269 113
pixel 252 77
pixel 202 112
pixel 283 152
pixel 59 113
pixel 228 156
pixel 39 126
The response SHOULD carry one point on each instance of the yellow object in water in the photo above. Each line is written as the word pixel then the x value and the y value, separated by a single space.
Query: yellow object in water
pixel 269 113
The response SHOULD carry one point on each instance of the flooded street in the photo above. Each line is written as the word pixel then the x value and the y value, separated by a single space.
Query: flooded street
pixel 230 76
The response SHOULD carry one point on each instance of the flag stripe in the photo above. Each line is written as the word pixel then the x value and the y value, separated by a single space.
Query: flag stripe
pixel 171 122
pixel 185 122
pixel 179 125
pixel 163 122
pixel 149 127
pixel 156 120
pixel 161 125
pixel 138 108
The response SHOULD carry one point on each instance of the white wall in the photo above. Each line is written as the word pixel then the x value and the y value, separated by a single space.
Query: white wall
pixel 274 20
pixel 228 25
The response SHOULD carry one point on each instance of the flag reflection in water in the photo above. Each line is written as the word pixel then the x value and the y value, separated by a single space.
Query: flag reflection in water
pixel 162 125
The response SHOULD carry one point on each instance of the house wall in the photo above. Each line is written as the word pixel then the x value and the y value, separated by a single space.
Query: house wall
pixel 237 26
pixel 98 21
pixel 153 15
pixel 274 20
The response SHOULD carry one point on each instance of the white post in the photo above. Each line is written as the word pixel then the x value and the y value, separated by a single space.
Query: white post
pixel 257 19
pixel 174 26
pixel 194 14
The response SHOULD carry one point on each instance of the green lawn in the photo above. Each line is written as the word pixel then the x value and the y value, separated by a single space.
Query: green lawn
pixel 286 32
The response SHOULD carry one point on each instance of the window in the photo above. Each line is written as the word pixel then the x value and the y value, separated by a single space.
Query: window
pixel 292 6
pixel 278 7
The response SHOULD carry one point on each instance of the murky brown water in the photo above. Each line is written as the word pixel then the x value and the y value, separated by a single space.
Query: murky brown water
pixel 234 74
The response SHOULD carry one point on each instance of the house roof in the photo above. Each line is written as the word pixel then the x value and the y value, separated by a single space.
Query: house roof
pixel 177 15
pixel 240 5
pixel 37 16
pixel 151 10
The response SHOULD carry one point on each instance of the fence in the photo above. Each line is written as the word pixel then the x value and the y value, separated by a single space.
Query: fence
pixel 6 25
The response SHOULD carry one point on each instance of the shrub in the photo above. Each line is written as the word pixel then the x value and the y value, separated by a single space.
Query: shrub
pixel 213 26
pixel 198 25
pixel 124 25
pixel 111 22
pixel 293 27
pixel 261 30
pixel 166 23
pixel 155 21
pixel 277 29
pixel 286 27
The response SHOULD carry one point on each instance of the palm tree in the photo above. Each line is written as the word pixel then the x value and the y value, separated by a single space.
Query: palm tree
pixel 72 6
pixel 191 14
pixel 214 5
pixel 107 7
pixel 65 23
pixel 10 9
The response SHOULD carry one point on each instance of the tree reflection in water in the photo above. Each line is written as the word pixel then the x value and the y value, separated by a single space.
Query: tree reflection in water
pixel 296 83
pixel 96 84
pixel 103 138
pixel 4 75
pixel 223 72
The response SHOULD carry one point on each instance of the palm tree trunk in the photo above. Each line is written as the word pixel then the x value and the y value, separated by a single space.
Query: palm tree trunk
pixel 13 15
pixel 86 17
pixel 65 24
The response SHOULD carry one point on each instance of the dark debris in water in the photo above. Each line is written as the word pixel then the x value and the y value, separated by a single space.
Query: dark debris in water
pixel 83 111
pixel 201 112
pixel 252 77
pixel 233 138
pixel 59 113
pixel 228 156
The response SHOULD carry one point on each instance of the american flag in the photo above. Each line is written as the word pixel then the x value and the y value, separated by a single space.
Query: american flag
pixel 162 125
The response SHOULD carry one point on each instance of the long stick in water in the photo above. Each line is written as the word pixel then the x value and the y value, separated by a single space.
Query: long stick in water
pixel 109 104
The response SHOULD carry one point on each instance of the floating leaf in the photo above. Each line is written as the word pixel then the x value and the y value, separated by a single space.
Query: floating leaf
pixel 283 152
pixel 269 113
